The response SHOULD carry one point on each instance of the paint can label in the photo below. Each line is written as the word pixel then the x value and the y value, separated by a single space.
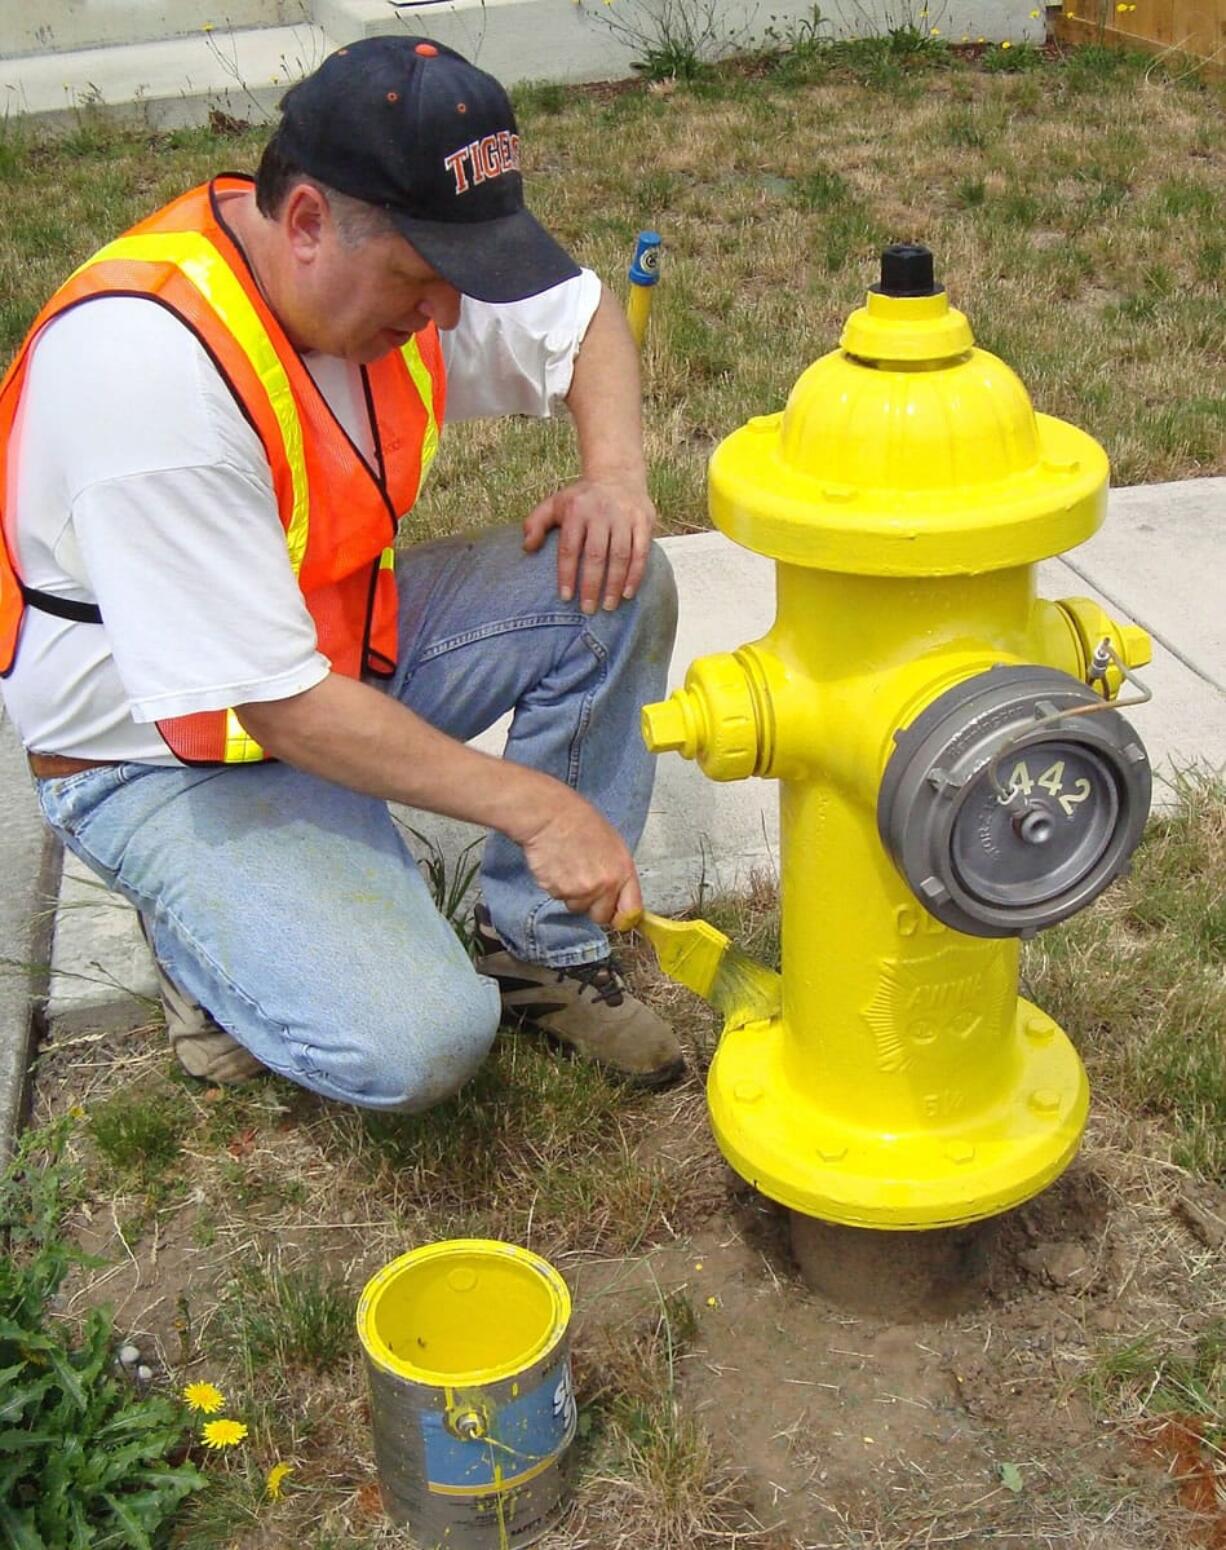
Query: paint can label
pixel 523 1437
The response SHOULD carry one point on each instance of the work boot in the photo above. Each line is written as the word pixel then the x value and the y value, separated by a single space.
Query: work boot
pixel 584 1007
pixel 200 1046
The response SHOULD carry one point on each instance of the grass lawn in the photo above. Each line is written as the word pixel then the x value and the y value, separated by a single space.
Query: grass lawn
pixel 1075 206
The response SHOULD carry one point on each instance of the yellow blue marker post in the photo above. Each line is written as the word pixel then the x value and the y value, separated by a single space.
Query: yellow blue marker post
pixel 643 274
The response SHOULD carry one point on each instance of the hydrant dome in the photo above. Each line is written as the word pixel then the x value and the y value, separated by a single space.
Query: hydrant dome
pixel 909 452
pixel 886 432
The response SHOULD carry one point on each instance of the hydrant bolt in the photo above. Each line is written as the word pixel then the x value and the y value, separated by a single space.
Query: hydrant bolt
pixel 1035 827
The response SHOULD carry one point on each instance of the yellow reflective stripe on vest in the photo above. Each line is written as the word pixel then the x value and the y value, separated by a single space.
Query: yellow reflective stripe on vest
pixel 241 747
pixel 387 560
pixel 424 384
pixel 199 262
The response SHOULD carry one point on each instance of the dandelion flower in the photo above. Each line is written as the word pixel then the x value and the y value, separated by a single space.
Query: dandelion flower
pixel 204 1396
pixel 1034 15
pixel 935 31
pixel 712 1302
pixel 1006 44
pixel 223 1434
pixel 275 1479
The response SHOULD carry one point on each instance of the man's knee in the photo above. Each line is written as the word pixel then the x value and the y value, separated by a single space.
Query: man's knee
pixel 432 1058
pixel 657 593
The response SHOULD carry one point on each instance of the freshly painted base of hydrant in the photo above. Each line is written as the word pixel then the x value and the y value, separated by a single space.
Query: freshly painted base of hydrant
pixel 467 1355
pixel 836 1164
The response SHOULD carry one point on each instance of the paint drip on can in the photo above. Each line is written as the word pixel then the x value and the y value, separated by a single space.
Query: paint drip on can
pixel 467 1347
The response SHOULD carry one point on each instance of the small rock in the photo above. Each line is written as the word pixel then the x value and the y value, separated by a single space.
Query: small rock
pixel 144 1374
pixel 129 1355
pixel 1210 1229
pixel 1056 1263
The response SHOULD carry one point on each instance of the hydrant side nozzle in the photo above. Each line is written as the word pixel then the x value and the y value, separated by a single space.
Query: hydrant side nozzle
pixel 667 728
pixel 1096 630
pixel 1138 647
pixel 714 719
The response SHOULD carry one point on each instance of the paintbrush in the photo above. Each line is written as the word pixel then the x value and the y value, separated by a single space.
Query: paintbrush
pixel 704 960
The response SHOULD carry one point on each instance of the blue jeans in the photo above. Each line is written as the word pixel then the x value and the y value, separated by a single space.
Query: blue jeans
pixel 289 906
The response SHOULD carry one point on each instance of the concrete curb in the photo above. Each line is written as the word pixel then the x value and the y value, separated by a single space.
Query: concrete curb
pixel 31 857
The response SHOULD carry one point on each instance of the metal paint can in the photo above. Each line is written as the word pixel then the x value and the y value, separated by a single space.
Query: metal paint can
pixel 467 1347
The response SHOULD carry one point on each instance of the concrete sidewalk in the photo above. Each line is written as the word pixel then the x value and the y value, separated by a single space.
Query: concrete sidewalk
pixel 1160 560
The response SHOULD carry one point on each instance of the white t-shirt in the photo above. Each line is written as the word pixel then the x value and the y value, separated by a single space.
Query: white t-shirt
pixel 136 483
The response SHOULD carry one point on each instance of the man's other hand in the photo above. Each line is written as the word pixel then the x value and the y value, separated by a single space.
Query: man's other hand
pixel 577 856
pixel 604 537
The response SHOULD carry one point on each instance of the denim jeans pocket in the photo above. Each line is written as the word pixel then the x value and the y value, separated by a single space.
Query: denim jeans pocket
pixel 68 801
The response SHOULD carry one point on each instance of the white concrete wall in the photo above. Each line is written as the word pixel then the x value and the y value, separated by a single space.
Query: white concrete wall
pixel 30 27
pixel 559 40
pixel 168 62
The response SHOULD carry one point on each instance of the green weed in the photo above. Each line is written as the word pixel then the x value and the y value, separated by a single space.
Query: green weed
pixel 1012 59
pixel 965 129
pixel 1211 260
pixel 1148 1374
pixel 821 189
pixel 544 98
pixel 83 1464
pixel 450 881
pixel 1181 198
pixel 1094 66
pixel 140 1136
pixel 295 1318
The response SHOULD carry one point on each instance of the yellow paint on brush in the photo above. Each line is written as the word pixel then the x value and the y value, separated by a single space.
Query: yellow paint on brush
pixel 696 955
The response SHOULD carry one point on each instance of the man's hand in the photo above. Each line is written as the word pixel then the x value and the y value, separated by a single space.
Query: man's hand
pixel 604 527
pixel 578 857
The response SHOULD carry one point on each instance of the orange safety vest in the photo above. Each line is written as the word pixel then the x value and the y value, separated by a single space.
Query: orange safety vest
pixel 340 517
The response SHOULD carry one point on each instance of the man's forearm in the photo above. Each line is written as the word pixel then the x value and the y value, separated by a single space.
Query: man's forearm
pixel 354 735
pixel 604 398
pixel 349 733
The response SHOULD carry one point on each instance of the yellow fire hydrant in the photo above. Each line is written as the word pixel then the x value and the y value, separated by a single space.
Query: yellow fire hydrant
pixel 951 774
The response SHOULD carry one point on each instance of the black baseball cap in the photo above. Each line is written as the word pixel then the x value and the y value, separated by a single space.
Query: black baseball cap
pixel 409 125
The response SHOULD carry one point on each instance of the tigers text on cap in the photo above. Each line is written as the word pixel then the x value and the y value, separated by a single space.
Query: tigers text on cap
pixel 412 127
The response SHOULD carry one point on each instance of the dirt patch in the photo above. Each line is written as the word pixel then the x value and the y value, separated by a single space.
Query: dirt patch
pixel 980 1427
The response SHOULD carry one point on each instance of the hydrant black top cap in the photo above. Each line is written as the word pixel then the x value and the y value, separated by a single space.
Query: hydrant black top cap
pixel 906 270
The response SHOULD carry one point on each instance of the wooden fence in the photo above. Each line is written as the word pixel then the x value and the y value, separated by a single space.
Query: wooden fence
pixel 1194 30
